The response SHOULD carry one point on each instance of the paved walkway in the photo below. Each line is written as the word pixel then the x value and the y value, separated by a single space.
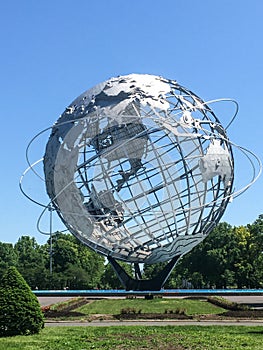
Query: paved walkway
pixel 44 301
pixel 155 323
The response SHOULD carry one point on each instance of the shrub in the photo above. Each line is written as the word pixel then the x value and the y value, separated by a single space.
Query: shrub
pixel 227 304
pixel 20 312
pixel 128 311
pixel 176 311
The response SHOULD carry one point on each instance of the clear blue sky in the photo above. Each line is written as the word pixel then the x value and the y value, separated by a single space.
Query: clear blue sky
pixel 52 51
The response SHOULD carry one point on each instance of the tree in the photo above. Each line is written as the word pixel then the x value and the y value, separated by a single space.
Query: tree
pixel 208 263
pixel 92 264
pixel 228 257
pixel 65 251
pixel 151 271
pixel 256 252
pixel 249 263
pixel 20 312
pixel 8 257
pixel 110 280
pixel 31 261
pixel 75 265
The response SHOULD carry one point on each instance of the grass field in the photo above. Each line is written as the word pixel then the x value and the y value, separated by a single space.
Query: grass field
pixel 157 305
pixel 140 338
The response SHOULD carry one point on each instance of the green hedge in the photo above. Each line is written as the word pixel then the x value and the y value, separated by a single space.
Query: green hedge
pixel 20 312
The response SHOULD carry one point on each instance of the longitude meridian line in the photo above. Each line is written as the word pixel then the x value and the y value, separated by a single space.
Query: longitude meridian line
pixel 179 197
pixel 193 150
pixel 148 114
pixel 176 190
pixel 152 236
pixel 114 229
pixel 138 210
pixel 142 228
pixel 125 231
pixel 145 224
pixel 182 108
pixel 131 215
pixel 169 194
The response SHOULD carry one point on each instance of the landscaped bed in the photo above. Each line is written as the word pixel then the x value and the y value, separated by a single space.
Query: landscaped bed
pixel 158 308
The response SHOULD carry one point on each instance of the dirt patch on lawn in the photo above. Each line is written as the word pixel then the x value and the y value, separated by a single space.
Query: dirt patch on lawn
pixel 153 316
pixel 148 342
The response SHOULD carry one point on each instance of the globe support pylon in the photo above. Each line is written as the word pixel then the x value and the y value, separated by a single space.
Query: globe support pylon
pixel 139 284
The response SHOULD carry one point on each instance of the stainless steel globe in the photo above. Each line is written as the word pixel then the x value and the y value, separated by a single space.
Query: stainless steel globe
pixel 139 168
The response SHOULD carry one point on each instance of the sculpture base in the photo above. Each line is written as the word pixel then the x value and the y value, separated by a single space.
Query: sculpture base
pixel 138 284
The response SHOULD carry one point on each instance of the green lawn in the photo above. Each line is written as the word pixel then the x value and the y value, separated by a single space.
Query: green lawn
pixel 140 337
pixel 158 305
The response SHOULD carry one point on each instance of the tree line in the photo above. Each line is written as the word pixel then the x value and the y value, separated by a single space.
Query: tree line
pixel 230 257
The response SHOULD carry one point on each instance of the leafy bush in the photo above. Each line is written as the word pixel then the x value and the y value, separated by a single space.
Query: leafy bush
pixel 176 311
pixel 20 312
pixel 129 310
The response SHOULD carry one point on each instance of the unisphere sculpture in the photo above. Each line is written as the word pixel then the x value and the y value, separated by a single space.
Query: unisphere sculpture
pixel 139 169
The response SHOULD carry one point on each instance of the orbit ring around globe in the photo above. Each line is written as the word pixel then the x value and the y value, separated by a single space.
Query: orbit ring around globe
pixel 140 169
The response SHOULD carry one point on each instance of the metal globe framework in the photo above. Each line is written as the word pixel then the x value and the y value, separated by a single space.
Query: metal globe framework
pixel 139 169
